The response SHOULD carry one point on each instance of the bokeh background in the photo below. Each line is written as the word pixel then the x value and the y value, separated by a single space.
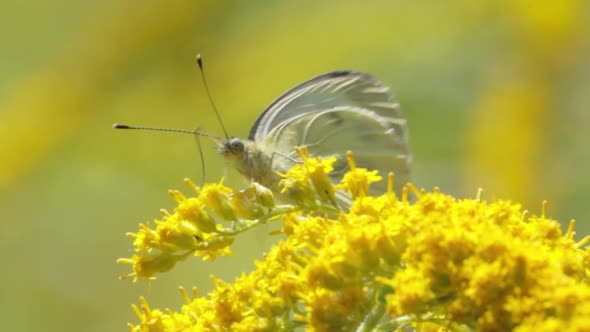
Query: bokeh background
pixel 496 94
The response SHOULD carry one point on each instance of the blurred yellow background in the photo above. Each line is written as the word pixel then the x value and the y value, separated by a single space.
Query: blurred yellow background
pixel 496 95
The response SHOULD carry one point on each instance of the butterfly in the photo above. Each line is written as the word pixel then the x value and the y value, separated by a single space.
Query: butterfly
pixel 330 114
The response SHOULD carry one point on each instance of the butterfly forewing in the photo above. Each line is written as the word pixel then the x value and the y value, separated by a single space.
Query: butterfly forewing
pixel 338 88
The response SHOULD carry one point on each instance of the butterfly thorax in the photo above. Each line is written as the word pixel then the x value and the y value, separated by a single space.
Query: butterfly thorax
pixel 251 160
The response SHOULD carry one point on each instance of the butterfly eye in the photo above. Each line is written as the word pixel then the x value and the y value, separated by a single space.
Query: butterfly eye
pixel 236 145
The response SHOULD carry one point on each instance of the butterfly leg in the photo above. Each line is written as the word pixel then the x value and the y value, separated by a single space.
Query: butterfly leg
pixel 251 166
pixel 295 161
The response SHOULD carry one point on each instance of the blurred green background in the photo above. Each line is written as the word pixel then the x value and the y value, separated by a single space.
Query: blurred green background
pixel 496 95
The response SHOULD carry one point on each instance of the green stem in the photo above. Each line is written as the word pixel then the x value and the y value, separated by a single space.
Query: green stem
pixel 372 318
pixel 273 215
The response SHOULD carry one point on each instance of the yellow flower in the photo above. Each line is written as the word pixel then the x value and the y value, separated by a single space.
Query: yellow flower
pixel 306 182
pixel 217 198
pixel 146 266
pixel 357 180
pixel 253 202
pixel 439 263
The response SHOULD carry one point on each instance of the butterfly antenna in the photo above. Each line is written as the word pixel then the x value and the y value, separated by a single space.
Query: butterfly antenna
pixel 200 63
pixel 170 130
pixel 195 132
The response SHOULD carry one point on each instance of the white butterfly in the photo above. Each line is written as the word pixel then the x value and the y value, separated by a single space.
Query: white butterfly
pixel 329 114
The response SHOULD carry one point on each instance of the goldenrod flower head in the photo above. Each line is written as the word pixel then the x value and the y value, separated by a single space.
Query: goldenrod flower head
pixel 439 263
pixel 217 198
pixel 357 180
pixel 253 202
pixel 306 182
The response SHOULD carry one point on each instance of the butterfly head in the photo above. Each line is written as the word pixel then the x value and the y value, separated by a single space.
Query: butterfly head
pixel 232 146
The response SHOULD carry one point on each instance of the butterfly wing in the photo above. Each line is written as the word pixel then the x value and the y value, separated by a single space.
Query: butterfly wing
pixel 334 113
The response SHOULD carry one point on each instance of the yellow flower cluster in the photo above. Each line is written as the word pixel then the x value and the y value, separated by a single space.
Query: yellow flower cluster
pixel 386 263
pixel 206 225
